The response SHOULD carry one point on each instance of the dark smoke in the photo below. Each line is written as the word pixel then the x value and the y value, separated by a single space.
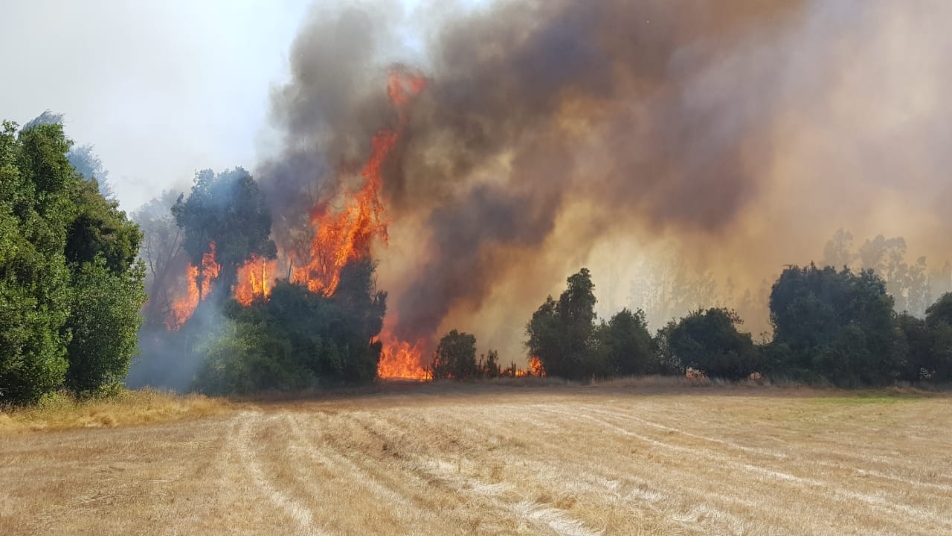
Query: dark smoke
pixel 549 126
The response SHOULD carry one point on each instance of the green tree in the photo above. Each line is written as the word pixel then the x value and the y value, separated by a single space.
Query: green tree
pixel 104 319
pixel 833 325
pixel 70 289
pixel 937 362
pixel 456 357
pixel 561 333
pixel 35 209
pixel 228 210
pixel 709 341
pixel 626 344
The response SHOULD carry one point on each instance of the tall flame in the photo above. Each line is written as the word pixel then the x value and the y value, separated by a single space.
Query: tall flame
pixel 345 228
pixel 195 291
pixel 253 279
pixel 345 235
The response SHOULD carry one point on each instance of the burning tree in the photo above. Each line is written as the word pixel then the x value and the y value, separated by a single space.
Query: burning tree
pixel 225 217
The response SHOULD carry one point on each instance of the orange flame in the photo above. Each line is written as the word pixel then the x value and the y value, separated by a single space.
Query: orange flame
pixel 183 307
pixel 345 229
pixel 535 367
pixel 347 234
pixel 253 279
pixel 401 360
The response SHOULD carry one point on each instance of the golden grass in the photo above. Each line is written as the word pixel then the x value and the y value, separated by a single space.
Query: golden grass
pixel 62 411
pixel 651 456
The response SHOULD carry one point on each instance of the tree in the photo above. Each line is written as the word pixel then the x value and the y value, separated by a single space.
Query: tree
pixel 91 168
pixel 162 253
pixel 229 211
pixel 937 363
pixel 626 343
pixel 833 325
pixel 297 338
pixel 69 287
pixel 104 319
pixel 102 246
pixel 35 210
pixel 709 341
pixel 561 333
pixel 456 357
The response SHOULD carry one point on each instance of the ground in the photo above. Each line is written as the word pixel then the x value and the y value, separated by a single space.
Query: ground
pixel 498 459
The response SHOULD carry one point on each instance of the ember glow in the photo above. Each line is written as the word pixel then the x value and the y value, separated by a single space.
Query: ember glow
pixel 198 285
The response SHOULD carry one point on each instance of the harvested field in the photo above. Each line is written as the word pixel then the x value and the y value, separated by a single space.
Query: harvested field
pixel 485 459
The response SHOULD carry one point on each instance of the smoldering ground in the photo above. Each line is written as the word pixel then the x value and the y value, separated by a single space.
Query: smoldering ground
pixel 738 133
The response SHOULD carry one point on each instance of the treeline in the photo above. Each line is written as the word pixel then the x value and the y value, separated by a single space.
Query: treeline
pixel 830 326
pixel 70 285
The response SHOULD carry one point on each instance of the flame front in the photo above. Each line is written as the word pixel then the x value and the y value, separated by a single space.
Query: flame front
pixel 401 360
pixel 195 292
pixel 253 279
pixel 347 234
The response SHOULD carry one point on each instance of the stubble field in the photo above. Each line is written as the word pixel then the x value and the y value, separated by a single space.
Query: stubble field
pixel 491 459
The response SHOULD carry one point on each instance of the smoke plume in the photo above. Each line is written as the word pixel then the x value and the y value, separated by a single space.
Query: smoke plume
pixel 740 133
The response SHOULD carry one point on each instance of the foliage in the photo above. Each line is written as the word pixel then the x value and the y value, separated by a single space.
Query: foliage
pixel 297 338
pixel 87 164
pixel 561 333
pixel 625 344
pixel 34 280
pixel 104 320
pixel 228 210
pixel 710 342
pixel 56 230
pixel 456 357
pixel 936 362
pixel 833 325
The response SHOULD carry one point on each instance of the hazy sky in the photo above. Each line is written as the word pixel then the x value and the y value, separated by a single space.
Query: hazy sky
pixel 161 88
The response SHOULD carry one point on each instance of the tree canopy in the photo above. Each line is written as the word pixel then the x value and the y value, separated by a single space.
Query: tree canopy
pixel 708 340
pixel 456 357
pixel 70 288
pixel 833 324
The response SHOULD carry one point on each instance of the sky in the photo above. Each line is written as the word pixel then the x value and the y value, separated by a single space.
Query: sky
pixel 161 89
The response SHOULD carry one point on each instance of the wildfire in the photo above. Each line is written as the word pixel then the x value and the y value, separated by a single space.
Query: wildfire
pixel 401 360
pixel 253 279
pixel 344 235
pixel 345 227
pixel 182 308
pixel 535 367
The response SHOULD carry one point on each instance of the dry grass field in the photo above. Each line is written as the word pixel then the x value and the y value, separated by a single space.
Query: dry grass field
pixel 500 459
